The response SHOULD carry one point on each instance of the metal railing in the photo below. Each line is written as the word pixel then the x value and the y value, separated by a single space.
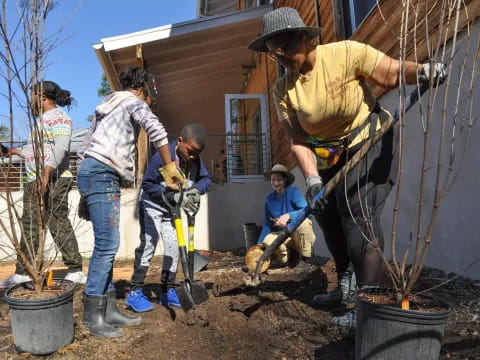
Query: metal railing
pixel 237 157
pixel 16 177
pixel 228 158
pixel 12 170
pixel 247 156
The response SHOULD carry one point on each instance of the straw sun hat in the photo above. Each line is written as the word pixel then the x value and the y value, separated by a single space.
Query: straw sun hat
pixel 280 21
pixel 280 169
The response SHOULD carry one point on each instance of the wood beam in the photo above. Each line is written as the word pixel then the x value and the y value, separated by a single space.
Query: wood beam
pixel 142 140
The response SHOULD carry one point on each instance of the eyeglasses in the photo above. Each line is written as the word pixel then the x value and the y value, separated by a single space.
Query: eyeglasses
pixel 191 151
pixel 286 48
pixel 194 153
pixel 277 54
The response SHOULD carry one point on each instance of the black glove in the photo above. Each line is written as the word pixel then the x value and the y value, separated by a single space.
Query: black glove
pixel 434 73
pixel 191 200
pixel 173 197
pixel 83 212
pixel 3 150
pixel 314 185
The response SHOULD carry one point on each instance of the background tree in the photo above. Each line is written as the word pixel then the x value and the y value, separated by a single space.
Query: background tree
pixel 4 132
pixel 102 91
pixel 104 88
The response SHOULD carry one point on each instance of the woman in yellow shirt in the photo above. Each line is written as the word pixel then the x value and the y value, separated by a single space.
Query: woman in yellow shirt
pixel 327 111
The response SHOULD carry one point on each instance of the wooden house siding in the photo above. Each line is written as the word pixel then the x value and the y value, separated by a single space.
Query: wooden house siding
pixel 327 24
pixel 263 78
pixel 381 29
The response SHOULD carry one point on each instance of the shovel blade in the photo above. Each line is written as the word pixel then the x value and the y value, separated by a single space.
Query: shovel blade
pixel 185 296
pixel 200 261
pixel 199 292
pixel 191 294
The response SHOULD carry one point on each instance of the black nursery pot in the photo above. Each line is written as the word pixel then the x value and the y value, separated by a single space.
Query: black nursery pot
pixel 42 327
pixel 386 332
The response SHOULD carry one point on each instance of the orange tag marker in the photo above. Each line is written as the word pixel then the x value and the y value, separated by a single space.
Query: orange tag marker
pixel 405 304
pixel 49 278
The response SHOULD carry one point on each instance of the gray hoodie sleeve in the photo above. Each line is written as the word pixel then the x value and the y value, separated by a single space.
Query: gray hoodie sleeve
pixel 60 150
pixel 61 131
pixel 143 116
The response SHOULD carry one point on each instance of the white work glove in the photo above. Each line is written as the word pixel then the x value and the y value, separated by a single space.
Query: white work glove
pixel 314 185
pixel 191 200
pixel 435 74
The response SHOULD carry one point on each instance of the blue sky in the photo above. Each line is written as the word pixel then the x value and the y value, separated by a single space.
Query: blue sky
pixel 74 65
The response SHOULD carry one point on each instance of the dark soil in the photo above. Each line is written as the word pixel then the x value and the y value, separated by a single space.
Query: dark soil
pixel 26 291
pixel 273 321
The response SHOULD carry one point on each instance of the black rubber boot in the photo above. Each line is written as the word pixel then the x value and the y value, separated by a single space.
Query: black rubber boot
pixel 94 317
pixel 114 317
pixel 304 264
pixel 293 258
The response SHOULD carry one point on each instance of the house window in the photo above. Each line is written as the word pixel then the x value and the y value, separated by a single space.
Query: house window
pixel 248 4
pixel 246 149
pixel 351 13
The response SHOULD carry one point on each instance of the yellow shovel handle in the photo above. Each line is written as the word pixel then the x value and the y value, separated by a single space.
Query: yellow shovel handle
pixel 179 231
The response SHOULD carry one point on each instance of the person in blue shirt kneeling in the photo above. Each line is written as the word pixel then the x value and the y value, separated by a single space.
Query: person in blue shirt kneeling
pixel 156 219
pixel 281 206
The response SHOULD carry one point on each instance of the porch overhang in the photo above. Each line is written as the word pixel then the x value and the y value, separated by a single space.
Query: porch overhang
pixel 195 63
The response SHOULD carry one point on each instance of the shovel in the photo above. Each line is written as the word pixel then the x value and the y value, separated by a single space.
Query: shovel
pixel 200 293
pixel 196 261
pixel 254 279
pixel 187 290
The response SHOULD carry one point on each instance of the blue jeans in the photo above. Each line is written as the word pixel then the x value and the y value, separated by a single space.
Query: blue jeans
pixel 100 186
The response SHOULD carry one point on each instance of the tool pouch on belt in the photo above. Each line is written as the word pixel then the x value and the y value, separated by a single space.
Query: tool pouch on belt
pixel 329 151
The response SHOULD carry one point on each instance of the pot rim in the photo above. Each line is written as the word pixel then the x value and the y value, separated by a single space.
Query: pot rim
pixel 390 307
pixel 68 293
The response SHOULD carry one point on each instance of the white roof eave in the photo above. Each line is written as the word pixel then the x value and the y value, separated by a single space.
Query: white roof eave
pixel 167 31
pixel 107 65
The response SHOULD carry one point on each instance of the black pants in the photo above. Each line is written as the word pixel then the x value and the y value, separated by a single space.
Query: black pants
pixel 350 221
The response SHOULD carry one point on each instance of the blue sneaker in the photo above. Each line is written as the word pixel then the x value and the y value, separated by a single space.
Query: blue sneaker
pixel 138 301
pixel 170 298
